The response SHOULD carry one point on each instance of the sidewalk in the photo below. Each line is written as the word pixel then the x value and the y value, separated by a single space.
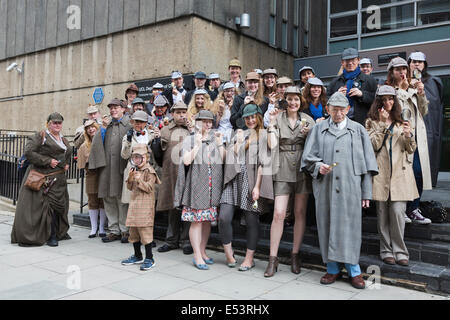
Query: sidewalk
pixel 44 273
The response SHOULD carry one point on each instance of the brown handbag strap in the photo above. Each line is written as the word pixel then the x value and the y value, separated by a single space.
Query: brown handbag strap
pixel 55 173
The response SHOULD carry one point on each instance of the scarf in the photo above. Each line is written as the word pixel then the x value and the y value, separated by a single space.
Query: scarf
pixel 350 78
pixel 316 112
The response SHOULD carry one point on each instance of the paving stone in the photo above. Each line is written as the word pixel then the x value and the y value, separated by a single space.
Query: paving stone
pixel 99 294
pixel 61 265
pixel 43 290
pixel 193 294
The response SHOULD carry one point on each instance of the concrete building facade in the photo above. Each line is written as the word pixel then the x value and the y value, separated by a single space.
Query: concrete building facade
pixel 67 48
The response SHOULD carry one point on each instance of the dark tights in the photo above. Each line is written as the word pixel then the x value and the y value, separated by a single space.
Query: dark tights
pixel 148 250
pixel 226 226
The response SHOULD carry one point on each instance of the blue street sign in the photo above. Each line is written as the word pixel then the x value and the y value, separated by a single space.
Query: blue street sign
pixel 98 95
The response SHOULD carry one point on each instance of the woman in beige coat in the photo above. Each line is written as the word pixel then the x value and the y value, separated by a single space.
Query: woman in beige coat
pixel 415 100
pixel 393 142
pixel 95 204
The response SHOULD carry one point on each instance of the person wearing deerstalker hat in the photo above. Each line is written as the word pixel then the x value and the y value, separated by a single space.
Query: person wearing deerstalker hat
pixel 141 183
pixel 277 100
pixel 105 156
pixel 287 133
pixel 130 94
pixel 234 69
pixel 214 85
pixel 304 74
pixel 316 98
pixel 164 147
pixel 434 121
pixel 392 139
pixel 42 215
pixel 339 157
pixel 270 77
pixel 92 114
pixel 254 93
pixel 247 184
pixel 199 184
pixel 358 87
pixel 160 116
pixel 412 96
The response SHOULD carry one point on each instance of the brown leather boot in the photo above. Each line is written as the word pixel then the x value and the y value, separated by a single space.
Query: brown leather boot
pixel 295 263
pixel 272 267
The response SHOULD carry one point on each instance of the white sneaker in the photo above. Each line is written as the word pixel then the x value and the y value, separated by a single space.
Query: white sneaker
pixel 407 219
pixel 416 217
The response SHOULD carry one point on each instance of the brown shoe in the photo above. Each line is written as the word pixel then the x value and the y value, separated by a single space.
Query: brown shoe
pixel 330 278
pixel 357 282
pixel 111 237
pixel 389 260
pixel 272 267
pixel 295 263
pixel 403 262
pixel 124 238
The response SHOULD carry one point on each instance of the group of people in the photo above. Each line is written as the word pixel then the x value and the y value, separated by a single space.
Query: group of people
pixel 247 146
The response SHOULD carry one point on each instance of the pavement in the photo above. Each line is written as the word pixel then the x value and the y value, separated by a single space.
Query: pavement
pixel 87 269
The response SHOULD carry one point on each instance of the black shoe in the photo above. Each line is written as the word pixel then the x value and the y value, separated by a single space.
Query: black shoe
pixel 153 243
pixel 125 236
pixel 52 242
pixel 188 250
pixel 102 235
pixel 165 248
pixel 66 237
pixel 92 236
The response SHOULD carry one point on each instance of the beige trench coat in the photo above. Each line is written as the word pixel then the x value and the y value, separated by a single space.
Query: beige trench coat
pixel 398 181
pixel 419 108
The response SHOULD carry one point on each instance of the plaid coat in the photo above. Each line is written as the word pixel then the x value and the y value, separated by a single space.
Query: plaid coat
pixel 141 210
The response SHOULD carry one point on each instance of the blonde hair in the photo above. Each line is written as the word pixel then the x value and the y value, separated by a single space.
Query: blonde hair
pixel 87 137
pixel 192 108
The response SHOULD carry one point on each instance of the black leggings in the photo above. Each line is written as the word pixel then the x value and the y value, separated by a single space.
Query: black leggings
pixel 226 226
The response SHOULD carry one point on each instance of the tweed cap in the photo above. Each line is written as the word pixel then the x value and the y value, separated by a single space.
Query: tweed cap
pixel 55 116
pixel 205 115
pixel 386 91
pixel 115 102
pixel 200 75
pixel 161 101
pixel 157 86
pixel 89 123
pixel 176 75
pixel 315 82
pixel 214 76
pixel 292 90
pixel 92 109
pixel 138 100
pixel 180 105
pixel 270 71
pixel 284 80
pixel 140 148
pixel 397 62
pixel 200 91
pixel 349 53
pixel 250 110
pixel 140 116
pixel 418 56
pixel 306 68
pixel 366 61
pixel 252 76
pixel 235 63
pixel 228 85
pixel 338 100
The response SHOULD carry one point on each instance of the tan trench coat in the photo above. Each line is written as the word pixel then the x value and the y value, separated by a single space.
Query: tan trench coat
pixel 141 210
pixel 91 175
pixel 172 137
pixel 397 182
pixel 419 108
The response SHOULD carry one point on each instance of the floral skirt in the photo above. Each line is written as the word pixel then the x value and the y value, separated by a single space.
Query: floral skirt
pixel 199 215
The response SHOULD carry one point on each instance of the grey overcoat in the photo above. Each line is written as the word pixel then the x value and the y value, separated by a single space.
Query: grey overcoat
pixel 339 194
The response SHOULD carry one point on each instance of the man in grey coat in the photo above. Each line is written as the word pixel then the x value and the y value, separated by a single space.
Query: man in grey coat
pixel 339 156
pixel 105 156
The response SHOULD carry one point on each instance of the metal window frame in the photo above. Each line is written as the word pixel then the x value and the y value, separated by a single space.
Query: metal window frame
pixel 359 35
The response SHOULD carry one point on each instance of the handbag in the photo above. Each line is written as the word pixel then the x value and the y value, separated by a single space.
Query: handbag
pixel 434 211
pixel 36 179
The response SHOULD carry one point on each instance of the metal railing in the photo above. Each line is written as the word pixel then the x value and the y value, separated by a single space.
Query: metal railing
pixel 12 147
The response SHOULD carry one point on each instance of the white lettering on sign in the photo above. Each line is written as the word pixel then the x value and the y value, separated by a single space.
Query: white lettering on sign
pixel 74 20
pixel 374 21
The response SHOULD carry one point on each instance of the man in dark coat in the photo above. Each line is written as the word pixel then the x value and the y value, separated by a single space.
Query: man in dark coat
pixel 200 81
pixel 358 87
pixel 434 120
pixel 178 90
pixel 105 155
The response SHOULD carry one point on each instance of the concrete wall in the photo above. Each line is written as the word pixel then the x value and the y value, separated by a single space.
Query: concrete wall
pixel 63 78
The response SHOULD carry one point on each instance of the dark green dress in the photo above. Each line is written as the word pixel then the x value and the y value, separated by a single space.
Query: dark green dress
pixel 34 210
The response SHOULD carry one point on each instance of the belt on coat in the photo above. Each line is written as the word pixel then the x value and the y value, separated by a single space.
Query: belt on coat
pixel 289 147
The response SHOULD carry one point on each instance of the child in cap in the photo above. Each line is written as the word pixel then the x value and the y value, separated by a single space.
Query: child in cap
pixel 141 212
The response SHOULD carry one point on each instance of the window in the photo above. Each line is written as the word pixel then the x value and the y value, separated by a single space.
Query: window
pixel 272 22
pixel 284 26
pixel 295 41
pixel 296 12
pixel 391 18
pixel 433 11
pixel 342 6
pixel 343 26
pixel 368 3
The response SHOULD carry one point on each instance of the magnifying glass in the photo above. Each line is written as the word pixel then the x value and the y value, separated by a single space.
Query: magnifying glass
pixel 417 74
pixel 406 114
